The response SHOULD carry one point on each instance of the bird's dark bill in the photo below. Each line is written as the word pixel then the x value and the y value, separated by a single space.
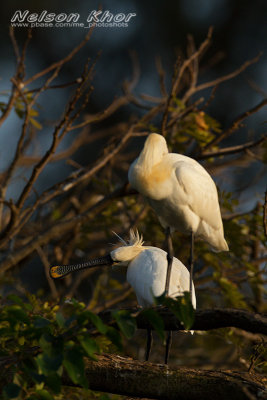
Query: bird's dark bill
pixel 58 271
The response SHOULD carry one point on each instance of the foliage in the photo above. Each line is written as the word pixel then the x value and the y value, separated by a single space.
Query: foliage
pixel 45 342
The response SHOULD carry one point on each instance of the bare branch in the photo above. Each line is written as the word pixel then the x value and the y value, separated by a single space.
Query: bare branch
pixel 161 74
pixel 114 106
pixel 117 299
pixel 60 63
pixel 46 264
pixel 56 230
pixel 265 214
pixel 232 149
pixel 191 59
pixel 236 124
pixel 59 86
pixel 224 78
pixel 179 73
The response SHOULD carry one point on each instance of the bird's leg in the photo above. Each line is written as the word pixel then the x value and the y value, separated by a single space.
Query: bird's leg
pixel 168 346
pixel 149 343
pixel 191 265
pixel 169 259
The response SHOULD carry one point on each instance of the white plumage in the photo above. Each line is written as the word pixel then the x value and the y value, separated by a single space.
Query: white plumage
pixel 147 269
pixel 180 190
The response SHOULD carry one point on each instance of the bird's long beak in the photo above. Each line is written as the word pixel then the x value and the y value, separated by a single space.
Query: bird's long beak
pixel 58 271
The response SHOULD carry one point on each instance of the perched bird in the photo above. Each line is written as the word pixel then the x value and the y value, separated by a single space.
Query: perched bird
pixel 182 194
pixel 146 273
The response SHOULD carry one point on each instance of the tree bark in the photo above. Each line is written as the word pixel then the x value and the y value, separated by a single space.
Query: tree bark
pixel 124 376
pixel 204 320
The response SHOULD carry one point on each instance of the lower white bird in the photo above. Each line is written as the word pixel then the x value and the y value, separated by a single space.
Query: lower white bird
pixel 146 273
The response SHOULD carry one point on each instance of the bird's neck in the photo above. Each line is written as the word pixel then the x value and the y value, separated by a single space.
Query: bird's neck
pixel 149 158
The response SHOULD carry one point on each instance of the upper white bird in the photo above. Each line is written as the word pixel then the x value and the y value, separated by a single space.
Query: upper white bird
pixel 147 270
pixel 180 190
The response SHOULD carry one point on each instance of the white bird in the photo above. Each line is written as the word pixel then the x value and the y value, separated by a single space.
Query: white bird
pixel 146 272
pixel 182 194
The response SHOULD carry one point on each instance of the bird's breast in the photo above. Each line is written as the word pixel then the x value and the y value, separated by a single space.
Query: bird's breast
pixel 155 183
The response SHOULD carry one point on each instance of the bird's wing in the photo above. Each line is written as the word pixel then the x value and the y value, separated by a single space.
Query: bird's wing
pixel 144 275
pixel 199 192
pixel 180 280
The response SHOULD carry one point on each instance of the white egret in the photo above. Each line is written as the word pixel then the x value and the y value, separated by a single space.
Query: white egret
pixel 146 273
pixel 182 194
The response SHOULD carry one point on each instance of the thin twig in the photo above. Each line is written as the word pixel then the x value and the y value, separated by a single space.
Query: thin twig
pixel 110 303
pixel 224 78
pixel 61 226
pixel 232 149
pixel 236 124
pixel 63 61
pixel 265 214
pixel 179 73
pixel 161 74
pixel 46 264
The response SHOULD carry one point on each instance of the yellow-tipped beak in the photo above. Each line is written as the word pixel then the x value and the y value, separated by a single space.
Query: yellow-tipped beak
pixel 54 272
pixel 58 271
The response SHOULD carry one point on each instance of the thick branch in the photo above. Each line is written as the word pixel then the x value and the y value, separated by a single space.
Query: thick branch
pixel 206 320
pixel 115 374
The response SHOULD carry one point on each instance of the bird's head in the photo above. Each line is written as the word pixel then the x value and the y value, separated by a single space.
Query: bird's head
pixel 124 254
pixel 155 148
pixel 121 256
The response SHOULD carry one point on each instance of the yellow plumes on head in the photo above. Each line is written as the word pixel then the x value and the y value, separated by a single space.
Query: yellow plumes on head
pixel 135 238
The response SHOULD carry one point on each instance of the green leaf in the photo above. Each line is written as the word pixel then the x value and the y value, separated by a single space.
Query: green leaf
pixel 37 378
pixel 41 322
pixel 35 123
pixel 155 320
pixel 18 313
pixel 182 309
pixel 19 112
pixel 44 394
pixel 99 324
pixel 11 391
pixel 126 322
pixel 53 381
pixel 90 346
pixel 48 364
pixel 233 296
pixel 73 362
pixel 60 320
pixel 46 342
pixel 115 337
pixel 16 299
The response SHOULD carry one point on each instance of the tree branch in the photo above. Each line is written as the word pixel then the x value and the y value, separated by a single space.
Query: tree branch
pixel 232 149
pixel 205 320
pixel 56 230
pixel 120 375
pixel 224 78
pixel 236 124
pixel 63 61
pixel 265 215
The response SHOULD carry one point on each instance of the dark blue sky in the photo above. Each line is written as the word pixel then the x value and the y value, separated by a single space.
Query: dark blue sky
pixel 159 29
